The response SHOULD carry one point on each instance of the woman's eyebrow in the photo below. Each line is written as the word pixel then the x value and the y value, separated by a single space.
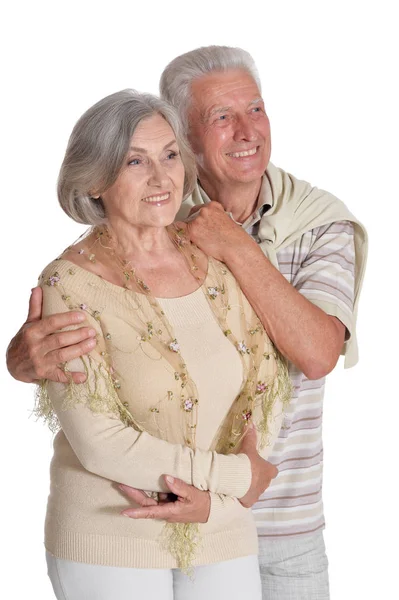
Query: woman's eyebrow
pixel 143 150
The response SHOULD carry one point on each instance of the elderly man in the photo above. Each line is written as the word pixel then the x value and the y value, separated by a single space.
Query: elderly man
pixel 299 256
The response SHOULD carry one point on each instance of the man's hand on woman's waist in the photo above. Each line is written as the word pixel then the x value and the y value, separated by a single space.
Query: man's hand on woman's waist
pixel 193 505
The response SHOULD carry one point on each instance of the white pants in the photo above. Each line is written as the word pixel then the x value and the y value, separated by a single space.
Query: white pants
pixel 236 579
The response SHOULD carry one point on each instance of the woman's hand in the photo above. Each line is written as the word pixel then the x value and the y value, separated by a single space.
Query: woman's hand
pixel 39 346
pixel 192 505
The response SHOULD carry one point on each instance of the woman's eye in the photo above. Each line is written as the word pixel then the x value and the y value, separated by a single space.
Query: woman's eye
pixel 134 161
pixel 172 155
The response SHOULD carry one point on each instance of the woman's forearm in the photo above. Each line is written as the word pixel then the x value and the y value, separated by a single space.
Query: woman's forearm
pixel 107 447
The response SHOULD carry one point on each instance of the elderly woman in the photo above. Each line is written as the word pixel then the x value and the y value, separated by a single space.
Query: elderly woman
pixel 181 368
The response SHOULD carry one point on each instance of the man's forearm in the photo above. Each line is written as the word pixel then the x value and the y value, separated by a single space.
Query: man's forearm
pixel 303 333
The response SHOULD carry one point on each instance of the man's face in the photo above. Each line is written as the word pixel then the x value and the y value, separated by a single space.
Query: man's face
pixel 229 128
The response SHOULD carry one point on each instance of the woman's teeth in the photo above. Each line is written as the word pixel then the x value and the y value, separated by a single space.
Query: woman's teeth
pixel 155 199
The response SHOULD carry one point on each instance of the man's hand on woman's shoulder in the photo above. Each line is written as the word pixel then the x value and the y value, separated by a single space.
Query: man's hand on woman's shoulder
pixel 40 346
pixel 212 230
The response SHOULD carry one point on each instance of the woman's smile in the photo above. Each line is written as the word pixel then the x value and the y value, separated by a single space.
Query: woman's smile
pixel 158 200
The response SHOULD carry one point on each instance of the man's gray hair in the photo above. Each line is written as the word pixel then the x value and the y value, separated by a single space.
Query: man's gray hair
pixel 98 147
pixel 176 79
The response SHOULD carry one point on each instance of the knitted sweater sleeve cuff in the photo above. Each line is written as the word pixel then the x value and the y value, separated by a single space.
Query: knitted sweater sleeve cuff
pixel 230 474
pixel 225 510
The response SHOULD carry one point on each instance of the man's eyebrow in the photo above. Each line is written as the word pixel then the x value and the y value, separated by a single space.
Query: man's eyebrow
pixel 222 109
pixel 143 150
pixel 214 111
pixel 256 101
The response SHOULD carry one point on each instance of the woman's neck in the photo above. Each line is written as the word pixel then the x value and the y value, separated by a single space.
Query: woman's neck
pixel 130 241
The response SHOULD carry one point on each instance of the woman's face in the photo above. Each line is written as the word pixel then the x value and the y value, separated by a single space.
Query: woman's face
pixel 149 189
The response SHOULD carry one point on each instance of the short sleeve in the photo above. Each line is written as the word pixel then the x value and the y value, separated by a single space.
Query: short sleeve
pixel 326 274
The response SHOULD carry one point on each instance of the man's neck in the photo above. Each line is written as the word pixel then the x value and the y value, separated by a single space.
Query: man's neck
pixel 239 199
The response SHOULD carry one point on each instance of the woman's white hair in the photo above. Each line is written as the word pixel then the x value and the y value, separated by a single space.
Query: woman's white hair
pixel 98 147
pixel 176 79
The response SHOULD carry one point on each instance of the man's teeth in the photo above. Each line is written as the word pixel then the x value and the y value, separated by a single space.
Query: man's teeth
pixel 155 199
pixel 245 153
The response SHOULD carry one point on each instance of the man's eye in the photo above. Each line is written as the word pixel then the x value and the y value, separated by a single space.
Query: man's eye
pixel 256 109
pixel 222 117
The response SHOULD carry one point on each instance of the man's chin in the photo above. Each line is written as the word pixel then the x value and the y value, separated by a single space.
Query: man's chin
pixel 247 175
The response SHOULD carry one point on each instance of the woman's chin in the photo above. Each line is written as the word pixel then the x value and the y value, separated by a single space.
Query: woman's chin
pixel 161 222
pixel 164 219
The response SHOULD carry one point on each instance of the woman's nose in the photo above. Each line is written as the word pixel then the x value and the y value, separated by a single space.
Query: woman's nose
pixel 157 176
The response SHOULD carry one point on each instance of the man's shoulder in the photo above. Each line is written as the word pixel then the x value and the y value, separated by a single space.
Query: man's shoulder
pixel 298 207
pixel 285 183
pixel 300 194
pixel 325 241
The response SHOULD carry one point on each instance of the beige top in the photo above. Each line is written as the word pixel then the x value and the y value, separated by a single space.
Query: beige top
pixel 94 450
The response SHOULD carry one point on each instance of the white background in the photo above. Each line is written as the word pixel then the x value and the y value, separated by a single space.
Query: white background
pixel 330 75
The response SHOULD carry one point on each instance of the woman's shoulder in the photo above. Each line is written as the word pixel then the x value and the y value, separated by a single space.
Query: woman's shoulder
pixel 74 259
pixel 64 273
pixel 66 286
pixel 50 274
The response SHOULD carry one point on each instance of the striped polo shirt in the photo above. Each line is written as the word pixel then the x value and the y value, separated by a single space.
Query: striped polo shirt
pixel 321 266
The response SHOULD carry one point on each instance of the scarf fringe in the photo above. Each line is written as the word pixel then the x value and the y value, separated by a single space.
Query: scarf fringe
pixel 282 390
pixel 97 393
pixel 182 541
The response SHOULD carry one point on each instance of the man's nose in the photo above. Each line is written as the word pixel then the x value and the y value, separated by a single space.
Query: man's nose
pixel 245 130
